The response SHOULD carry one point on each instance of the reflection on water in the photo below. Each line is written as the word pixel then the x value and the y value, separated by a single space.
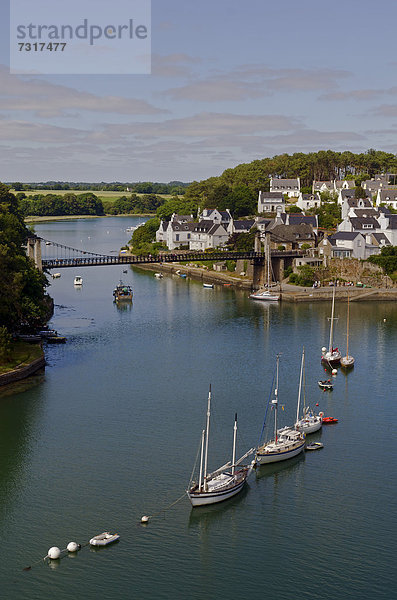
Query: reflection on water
pixel 288 465
pixel 23 385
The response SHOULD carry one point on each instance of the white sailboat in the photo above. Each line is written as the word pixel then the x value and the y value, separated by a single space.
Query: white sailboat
pixel 266 294
pixel 308 422
pixel 347 362
pixel 287 442
pixel 226 481
pixel 331 356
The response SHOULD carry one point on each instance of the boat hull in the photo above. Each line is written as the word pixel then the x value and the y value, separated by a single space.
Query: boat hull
pixel 310 426
pixel 347 362
pixel 265 297
pixel 276 456
pixel 205 498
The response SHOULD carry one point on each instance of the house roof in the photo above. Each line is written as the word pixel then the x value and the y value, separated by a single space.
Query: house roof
pixel 274 182
pixel 345 235
pixel 359 222
pixel 381 238
pixel 353 202
pixel 203 225
pixel 366 212
pixel 243 225
pixel 215 229
pixel 310 196
pixel 271 196
pixel 293 233
pixel 297 218
pixel 387 195
pixel 177 226
pixel 350 183
pixel 318 184
pixel 392 222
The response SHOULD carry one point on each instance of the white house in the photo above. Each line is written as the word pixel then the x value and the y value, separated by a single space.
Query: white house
pixel 291 187
pixel 176 232
pixel 216 216
pixel 270 201
pixel 387 197
pixel 323 186
pixel 350 205
pixel 308 201
pixel 345 193
pixel 352 245
pixel 207 234
pixel 244 226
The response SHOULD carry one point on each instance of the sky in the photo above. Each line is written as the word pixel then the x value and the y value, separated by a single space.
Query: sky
pixel 230 82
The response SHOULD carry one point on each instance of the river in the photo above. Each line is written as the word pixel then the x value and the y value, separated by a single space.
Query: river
pixel 111 433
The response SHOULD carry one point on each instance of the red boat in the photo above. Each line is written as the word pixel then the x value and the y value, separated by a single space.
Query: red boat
pixel 329 420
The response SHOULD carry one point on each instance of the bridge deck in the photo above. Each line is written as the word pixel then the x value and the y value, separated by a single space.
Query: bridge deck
pixel 99 260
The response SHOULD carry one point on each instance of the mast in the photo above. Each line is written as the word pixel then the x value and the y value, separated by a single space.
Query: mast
pixel 347 327
pixel 201 460
pixel 207 431
pixel 300 386
pixel 234 443
pixel 275 401
pixel 331 330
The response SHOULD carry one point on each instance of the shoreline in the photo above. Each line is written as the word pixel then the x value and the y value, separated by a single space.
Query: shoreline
pixel 289 293
pixel 22 371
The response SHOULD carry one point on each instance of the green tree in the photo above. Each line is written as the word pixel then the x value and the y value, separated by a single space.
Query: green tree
pixel 5 344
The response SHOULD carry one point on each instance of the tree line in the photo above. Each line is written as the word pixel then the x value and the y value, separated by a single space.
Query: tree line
pixel 141 187
pixel 23 303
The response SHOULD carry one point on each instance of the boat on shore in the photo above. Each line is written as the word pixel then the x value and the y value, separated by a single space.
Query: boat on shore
pixel 122 293
pixel 225 482
pixel 286 443
pixel 331 356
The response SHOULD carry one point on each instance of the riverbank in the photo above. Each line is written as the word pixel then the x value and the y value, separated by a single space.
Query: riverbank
pixel 25 360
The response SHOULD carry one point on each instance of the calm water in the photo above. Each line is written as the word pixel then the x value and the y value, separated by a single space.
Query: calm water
pixel 112 430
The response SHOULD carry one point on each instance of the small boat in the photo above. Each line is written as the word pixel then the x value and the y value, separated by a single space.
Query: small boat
pixel 47 333
pixel 56 339
pixel 125 271
pixel 226 481
pixel 56 275
pixel 326 384
pixel 329 420
pixel 183 275
pixel 158 275
pixel 309 422
pixel 264 295
pixel 48 243
pixel 287 442
pixel 122 293
pixel 78 280
pixel 314 446
pixel 208 286
pixel 105 538
pixel 347 362
pixel 331 356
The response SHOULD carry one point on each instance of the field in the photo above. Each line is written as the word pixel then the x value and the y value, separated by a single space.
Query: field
pixel 107 196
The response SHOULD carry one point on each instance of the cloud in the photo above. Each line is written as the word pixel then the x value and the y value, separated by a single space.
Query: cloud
pixel 38 132
pixel 359 95
pixel 386 110
pixel 173 65
pixel 48 100
pixel 254 81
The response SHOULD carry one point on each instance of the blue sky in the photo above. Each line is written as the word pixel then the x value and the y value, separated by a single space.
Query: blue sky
pixel 230 83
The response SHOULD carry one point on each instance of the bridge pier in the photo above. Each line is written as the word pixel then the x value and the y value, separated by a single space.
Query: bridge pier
pixel 34 251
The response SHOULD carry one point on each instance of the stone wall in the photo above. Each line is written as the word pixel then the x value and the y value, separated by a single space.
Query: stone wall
pixel 22 372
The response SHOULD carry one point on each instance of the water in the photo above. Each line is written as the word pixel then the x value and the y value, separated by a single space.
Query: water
pixel 112 430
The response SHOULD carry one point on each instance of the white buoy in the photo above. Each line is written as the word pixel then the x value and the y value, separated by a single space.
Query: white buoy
pixel 323 349
pixel 145 519
pixel 384 320
pixel 54 553
pixel 73 547
pixel 334 371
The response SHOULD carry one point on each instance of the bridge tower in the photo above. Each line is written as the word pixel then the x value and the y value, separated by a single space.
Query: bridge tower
pixel 34 251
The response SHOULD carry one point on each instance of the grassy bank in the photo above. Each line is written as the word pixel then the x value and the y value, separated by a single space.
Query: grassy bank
pixel 22 354
pixel 108 196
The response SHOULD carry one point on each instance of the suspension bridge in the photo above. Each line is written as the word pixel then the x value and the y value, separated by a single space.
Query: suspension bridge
pixel 48 255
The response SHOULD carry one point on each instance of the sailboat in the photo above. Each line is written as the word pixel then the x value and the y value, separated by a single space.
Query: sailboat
pixel 331 356
pixel 347 362
pixel 287 442
pixel 266 294
pixel 309 422
pixel 225 482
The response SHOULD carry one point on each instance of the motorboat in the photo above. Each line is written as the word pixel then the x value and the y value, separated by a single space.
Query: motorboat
pixel 314 446
pixel 225 482
pixel 208 285
pixel 105 538
pixel 56 275
pixel 122 293
pixel 326 385
pixel 286 443
pixel 158 275
pixel 78 280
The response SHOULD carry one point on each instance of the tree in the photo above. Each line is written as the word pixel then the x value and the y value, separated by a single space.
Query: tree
pixel 5 344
